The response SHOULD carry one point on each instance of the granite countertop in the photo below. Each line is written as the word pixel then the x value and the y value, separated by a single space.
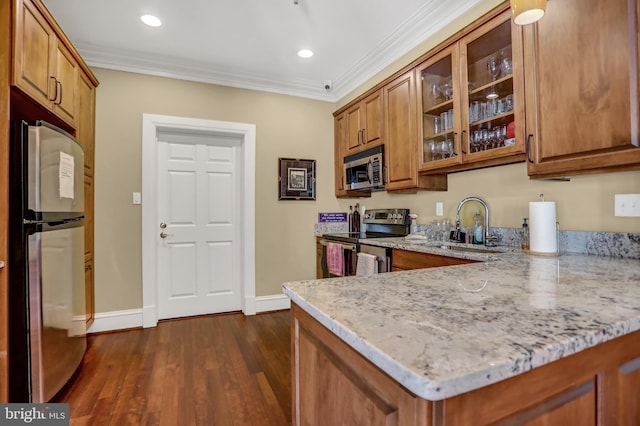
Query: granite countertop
pixel 445 331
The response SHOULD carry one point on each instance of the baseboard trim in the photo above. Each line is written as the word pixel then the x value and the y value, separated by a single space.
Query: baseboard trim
pixel 275 302
pixel 116 320
pixel 132 318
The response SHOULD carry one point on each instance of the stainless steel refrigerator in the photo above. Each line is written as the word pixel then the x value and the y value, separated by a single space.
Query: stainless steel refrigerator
pixel 47 315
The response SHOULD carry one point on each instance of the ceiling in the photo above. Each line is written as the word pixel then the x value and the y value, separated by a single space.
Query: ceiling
pixel 253 44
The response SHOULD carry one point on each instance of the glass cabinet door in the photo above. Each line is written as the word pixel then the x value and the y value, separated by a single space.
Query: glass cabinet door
pixel 490 107
pixel 440 94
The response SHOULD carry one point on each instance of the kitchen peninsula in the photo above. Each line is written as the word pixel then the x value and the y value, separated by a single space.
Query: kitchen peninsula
pixel 516 339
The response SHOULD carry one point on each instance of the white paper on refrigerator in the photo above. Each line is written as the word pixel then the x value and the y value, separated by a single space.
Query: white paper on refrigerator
pixel 65 175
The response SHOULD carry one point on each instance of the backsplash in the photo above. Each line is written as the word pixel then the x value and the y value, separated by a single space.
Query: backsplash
pixel 612 244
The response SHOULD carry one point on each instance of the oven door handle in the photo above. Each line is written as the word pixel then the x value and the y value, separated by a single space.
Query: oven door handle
pixel 351 247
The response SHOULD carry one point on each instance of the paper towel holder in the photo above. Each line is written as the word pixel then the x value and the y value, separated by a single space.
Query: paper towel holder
pixel 557 252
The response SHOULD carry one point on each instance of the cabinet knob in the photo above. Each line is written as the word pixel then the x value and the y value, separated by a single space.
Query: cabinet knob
pixel 163 235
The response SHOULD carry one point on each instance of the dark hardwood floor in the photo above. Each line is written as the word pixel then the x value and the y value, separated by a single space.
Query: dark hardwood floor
pixel 226 369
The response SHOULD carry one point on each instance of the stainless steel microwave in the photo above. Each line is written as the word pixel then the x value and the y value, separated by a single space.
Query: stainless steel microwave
pixel 365 170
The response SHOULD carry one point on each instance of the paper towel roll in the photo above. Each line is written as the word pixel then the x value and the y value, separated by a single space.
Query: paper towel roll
pixel 542 227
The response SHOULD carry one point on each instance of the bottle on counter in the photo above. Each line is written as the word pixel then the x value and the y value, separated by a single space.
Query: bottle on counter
pixel 478 229
pixel 356 218
pixel 350 219
pixel 524 234
pixel 413 228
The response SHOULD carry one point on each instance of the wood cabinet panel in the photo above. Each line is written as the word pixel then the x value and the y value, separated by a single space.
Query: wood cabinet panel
pixel 33 55
pixel 85 132
pixel 64 104
pixel 88 248
pixel 44 67
pixel 333 384
pixel 365 124
pixel 340 128
pixel 582 91
pixel 89 290
pixel 401 133
pixel 406 260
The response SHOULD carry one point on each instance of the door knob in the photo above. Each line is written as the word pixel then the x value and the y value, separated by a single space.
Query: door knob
pixel 163 235
pixel 163 225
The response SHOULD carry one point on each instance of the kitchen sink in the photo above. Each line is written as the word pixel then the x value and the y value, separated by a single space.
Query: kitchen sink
pixel 479 249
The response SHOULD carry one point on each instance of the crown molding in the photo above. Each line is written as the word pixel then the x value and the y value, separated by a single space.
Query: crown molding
pixel 406 37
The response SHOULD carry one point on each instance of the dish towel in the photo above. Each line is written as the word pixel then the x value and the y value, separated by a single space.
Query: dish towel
pixel 367 264
pixel 335 259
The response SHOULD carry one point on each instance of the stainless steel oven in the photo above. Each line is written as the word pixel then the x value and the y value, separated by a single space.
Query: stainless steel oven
pixel 379 223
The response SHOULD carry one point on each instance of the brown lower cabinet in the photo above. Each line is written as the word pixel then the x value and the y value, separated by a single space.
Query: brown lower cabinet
pixel 335 385
pixel 403 260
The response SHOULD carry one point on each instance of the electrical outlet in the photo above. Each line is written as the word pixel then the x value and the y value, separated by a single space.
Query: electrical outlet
pixel 627 205
pixel 439 209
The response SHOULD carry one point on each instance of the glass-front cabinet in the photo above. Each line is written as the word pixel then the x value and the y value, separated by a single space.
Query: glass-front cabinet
pixel 472 100
pixel 441 118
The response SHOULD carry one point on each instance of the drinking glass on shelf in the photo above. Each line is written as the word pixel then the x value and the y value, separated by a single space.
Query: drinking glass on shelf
pixel 502 135
pixel 508 103
pixel 449 147
pixel 431 149
pixel 442 149
pixel 477 140
pixel 447 89
pixel 491 108
pixel 474 111
pixel 437 125
pixel 434 92
pixel 493 66
pixel 506 65
pixel 499 106
pixel 482 113
pixel 444 120
pixel 486 139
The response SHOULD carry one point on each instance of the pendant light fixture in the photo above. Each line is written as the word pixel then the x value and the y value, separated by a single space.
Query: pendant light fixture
pixel 527 11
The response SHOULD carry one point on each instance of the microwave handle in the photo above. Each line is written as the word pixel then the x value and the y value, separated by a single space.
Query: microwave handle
pixel 369 171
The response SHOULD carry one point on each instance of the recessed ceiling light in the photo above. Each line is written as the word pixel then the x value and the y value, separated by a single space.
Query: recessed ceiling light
pixel 305 53
pixel 151 20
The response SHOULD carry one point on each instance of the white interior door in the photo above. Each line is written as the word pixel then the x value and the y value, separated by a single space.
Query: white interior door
pixel 199 188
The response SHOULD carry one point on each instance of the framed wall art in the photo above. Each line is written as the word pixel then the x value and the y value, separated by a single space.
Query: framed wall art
pixel 296 179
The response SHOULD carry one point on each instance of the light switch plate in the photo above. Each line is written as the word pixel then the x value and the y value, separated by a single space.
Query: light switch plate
pixel 137 198
pixel 439 209
pixel 627 205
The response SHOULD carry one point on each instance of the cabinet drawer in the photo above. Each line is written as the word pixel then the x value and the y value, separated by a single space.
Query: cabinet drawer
pixel 404 260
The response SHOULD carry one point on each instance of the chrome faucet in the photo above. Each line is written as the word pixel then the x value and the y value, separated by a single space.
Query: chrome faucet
pixel 489 240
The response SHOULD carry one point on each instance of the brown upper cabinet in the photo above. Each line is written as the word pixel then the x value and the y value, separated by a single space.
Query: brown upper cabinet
pixel 43 67
pixel 401 139
pixel 581 63
pixel 341 149
pixel 400 117
pixel 365 126
pixel 472 100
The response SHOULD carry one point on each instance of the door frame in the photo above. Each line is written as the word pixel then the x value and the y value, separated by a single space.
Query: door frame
pixel 151 125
